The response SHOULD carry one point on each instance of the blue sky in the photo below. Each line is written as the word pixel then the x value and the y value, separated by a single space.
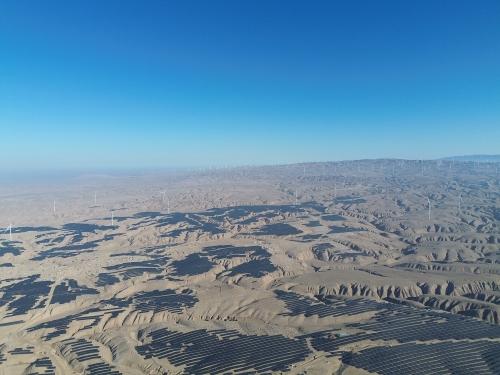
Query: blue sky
pixel 190 83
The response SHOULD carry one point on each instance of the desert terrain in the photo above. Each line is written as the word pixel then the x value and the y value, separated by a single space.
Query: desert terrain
pixel 354 267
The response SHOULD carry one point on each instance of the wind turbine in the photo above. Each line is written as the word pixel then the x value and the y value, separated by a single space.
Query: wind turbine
pixel 429 202
pixel 10 231
pixel 54 207
pixel 163 196
pixel 112 218
pixel 460 203
pixel 296 199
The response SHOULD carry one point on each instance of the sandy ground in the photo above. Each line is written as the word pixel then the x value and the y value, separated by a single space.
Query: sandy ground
pixel 278 269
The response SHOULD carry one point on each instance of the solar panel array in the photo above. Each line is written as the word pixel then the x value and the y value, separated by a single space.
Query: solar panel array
pixel 25 295
pixel 42 366
pixel 85 351
pixel 203 351
pixel 302 305
pixel 480 357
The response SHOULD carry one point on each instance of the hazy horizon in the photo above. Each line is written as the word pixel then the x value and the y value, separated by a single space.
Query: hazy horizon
pixel 10 171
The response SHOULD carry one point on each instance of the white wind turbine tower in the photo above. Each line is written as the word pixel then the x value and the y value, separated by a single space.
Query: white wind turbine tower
pixel 9 229
pixel 112 218
pixel 54 207
pixel 460 203
pixel 296 199
pixel 163 196
pixel 429 202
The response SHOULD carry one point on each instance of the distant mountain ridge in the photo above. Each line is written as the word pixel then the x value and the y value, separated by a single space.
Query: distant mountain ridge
pixel 478 158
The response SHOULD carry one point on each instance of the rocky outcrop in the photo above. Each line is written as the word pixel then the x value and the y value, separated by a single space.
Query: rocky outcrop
pixel 452 267
pixel 446 296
